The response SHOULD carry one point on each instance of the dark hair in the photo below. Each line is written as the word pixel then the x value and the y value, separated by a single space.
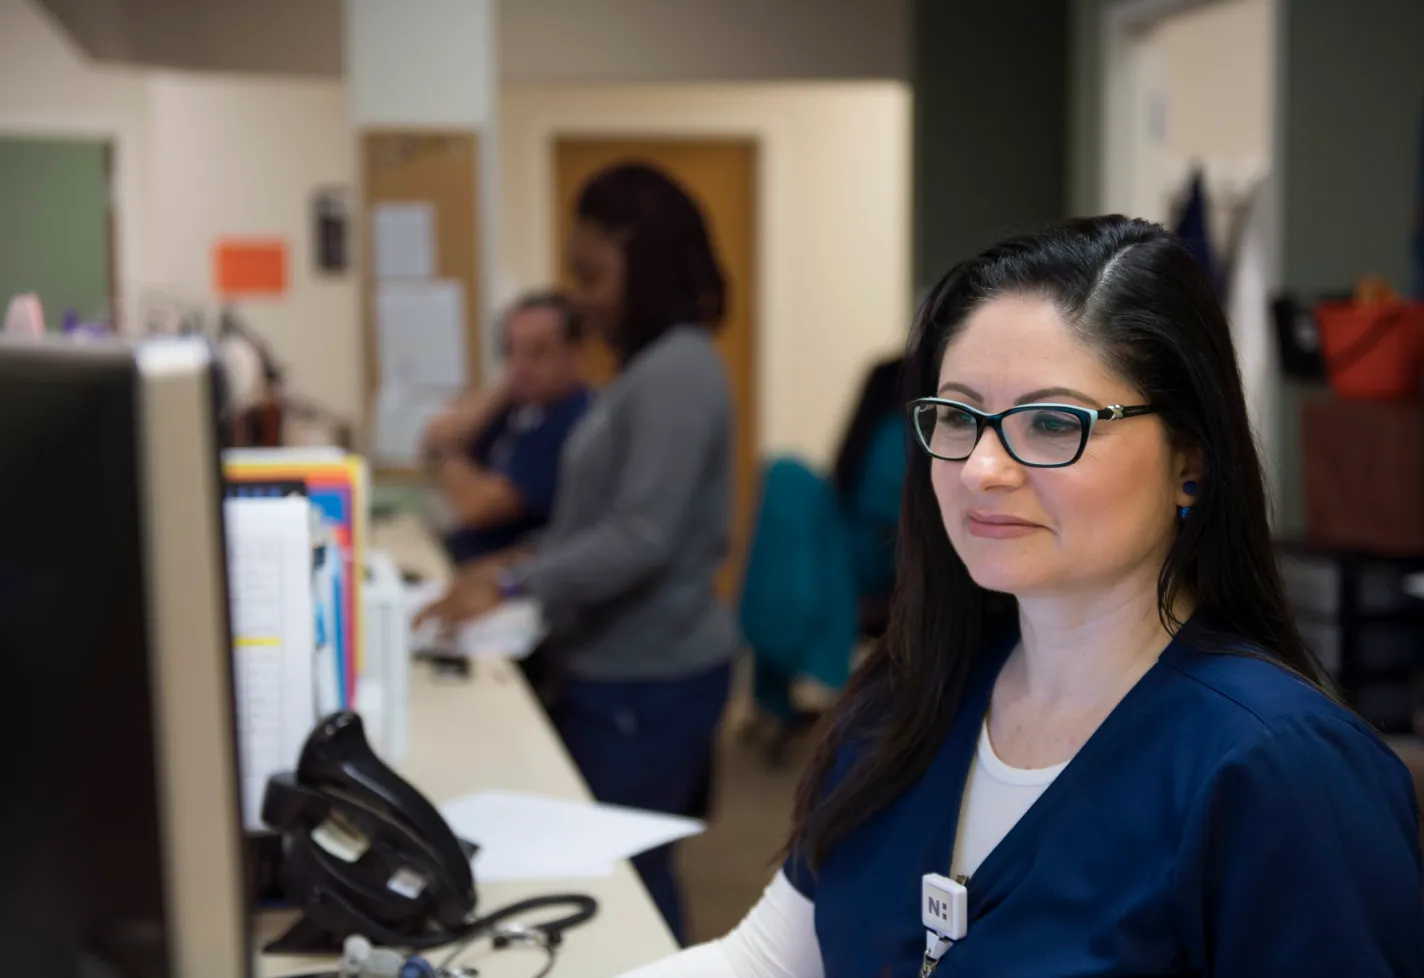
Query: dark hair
pixel 671 273
pixel 879 399
pixel 1136 295
pixel 546 299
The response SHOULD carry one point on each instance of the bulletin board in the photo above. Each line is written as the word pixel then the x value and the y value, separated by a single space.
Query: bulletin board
pixel 439 168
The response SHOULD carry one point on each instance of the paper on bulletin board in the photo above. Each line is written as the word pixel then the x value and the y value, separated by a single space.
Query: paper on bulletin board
pixel 420 329
pixel 401 416
pixel 404 239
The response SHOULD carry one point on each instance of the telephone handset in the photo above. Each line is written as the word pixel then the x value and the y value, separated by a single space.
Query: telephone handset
pixel 363 852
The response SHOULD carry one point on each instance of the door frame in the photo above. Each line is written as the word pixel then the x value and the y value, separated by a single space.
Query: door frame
pixel 124 195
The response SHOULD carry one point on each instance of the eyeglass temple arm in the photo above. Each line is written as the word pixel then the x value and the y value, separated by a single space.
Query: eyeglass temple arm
pixel 1116 412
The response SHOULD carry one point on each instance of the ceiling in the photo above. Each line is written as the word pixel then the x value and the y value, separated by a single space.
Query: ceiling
pixel 539 40
pixel 287 36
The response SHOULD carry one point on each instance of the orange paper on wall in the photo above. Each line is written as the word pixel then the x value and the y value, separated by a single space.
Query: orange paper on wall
pixel 250 267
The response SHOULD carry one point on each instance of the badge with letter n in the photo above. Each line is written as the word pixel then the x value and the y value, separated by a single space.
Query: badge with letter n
pixel 944 910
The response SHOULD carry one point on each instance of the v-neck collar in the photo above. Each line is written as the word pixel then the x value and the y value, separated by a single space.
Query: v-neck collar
pixel 1006 863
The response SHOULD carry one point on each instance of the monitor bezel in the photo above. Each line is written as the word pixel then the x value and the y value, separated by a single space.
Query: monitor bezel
pixel 190 648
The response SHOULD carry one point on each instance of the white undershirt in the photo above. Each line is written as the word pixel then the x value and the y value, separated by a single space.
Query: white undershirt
pixel 777 939
pixel 995 798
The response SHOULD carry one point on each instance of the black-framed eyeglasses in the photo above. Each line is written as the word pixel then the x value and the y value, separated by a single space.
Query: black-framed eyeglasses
pixel 1044 436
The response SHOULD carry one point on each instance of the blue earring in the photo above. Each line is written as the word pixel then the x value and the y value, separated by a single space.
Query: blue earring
pixel 1190 488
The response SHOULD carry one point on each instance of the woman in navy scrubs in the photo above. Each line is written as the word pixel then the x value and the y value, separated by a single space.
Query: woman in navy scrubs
pixel 1091 707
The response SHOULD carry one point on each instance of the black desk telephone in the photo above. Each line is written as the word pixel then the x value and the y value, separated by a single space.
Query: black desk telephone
pixel 363 853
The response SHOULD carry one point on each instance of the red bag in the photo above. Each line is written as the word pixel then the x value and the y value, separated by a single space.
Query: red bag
pixel 1373 351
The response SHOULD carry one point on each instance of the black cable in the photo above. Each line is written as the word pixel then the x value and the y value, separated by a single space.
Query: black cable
pixel 586 906
pixel 552 931
pixel 550 934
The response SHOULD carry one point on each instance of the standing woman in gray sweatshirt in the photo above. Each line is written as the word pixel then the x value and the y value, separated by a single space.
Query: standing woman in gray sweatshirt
pixel 626 573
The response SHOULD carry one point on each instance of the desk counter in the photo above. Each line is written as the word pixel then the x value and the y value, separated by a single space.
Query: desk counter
pixel 489 732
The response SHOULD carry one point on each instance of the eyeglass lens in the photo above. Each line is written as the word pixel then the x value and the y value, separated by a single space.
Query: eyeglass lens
pixel 1036 436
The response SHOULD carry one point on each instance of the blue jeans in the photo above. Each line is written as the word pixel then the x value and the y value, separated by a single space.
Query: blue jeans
pixel 647 744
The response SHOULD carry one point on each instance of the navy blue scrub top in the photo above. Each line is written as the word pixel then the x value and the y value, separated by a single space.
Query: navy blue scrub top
pixel 1226 819
pixel 524 445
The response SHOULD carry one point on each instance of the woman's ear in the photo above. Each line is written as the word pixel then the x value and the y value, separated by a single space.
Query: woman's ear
pixel 1189 473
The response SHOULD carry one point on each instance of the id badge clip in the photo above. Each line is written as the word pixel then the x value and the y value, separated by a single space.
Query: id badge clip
pixel 944 910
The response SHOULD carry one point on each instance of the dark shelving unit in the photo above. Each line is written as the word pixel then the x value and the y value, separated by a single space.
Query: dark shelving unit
pixel 1357 613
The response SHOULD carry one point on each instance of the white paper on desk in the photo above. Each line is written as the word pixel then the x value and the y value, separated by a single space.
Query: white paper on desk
pixel 420 333
pixel 403 236
pixel 510 631
pixel 531 837
pixel 419 595
pixel 273 625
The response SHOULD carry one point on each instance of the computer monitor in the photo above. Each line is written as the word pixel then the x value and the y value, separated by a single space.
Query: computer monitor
pixel 120 848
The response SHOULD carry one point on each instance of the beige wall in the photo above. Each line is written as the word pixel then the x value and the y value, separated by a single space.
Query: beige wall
pixel 200 156
pixel 834 240
pixel 204 155
pixel 237 156
pixel 1218 64
pixel 1204 95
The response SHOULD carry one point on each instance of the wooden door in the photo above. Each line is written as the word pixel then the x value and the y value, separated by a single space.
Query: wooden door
pixel 721 175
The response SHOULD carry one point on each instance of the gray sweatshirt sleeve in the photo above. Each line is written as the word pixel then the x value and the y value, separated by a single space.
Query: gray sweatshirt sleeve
pixel 674 415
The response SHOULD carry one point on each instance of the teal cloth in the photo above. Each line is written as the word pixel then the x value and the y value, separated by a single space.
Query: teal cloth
pixel 813 556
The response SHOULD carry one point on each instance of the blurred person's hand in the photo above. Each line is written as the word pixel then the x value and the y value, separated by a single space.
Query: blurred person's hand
pixel 454 474
pixel 474 592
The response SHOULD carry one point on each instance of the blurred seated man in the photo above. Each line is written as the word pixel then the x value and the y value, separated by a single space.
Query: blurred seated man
pixel 494 454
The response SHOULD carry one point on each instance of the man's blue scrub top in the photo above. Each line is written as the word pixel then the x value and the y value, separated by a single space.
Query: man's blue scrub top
pixel 1225 820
